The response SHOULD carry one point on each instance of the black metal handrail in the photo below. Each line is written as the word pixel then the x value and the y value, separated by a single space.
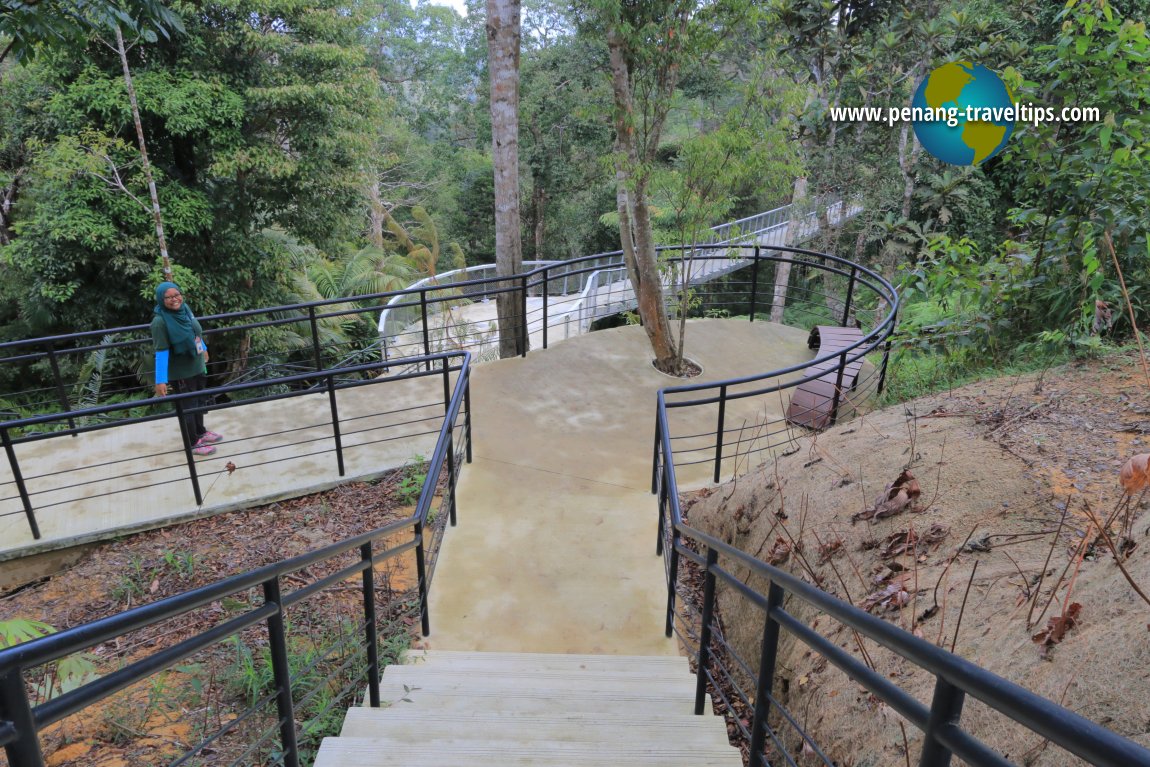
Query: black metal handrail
pixel 956 678
pixel 21 721
pixel 82 421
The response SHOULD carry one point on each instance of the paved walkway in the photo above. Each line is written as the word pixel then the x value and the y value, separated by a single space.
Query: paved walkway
pixel 555 547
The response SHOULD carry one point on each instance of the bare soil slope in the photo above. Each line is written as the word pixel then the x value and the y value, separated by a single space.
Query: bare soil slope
pixel 998 544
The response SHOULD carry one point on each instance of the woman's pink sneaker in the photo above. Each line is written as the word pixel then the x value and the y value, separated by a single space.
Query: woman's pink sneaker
pixel 203 448
pixel 210 438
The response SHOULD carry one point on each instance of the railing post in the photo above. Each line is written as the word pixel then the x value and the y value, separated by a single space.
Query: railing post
pixel 335 422
pixel 372 636
pixel 61 392
pixel 450 440
pixel 421 574
pixel 672 579
pixel 426 330
pixel 191 459
pixel 767 658
pixel 546 300
pixel 721 427
pixel 655 453
pixel 754 283
pixel 523 334
pixel 14 706
pixel 838 390
pixel 850 297
pixel 315 338
pixel 664 515
pixel 945 711
pixel 281 673
pixel 705 632
pixel 18 478
pixel 886 355
pixel 467 415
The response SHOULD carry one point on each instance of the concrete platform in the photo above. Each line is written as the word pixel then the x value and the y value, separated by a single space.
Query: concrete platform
pixel 555 547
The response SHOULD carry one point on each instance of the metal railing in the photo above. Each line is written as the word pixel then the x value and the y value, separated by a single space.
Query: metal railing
pixel 39 488
pixel 747 684
pixel 22 719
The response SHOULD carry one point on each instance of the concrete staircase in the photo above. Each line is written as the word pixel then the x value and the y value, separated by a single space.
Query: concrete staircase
pixel 443 709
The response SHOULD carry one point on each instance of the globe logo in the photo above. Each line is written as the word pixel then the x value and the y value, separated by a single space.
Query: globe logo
pixel 968 113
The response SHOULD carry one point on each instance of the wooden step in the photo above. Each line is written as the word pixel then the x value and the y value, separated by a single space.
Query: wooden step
pixel 402 724
pixel 370 752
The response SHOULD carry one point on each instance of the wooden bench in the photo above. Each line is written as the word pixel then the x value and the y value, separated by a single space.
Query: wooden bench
pixel 812 403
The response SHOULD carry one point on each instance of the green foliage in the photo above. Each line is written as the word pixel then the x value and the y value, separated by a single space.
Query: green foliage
pixel 58 677
pixel 411 479
pixel 69 23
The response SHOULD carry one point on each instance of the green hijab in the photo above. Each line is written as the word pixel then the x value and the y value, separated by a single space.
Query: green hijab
pixel 181 334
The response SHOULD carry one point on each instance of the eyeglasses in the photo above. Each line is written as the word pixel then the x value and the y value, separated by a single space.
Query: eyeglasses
pixel 171 296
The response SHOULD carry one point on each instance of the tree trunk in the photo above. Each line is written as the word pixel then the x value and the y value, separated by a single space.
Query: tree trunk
pixel 165 264
pixel 783 268
pixel 376 215
pixel 503 26
pixel 635 232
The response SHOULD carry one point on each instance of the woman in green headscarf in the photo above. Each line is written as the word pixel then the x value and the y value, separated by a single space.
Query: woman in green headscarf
pixel 181 358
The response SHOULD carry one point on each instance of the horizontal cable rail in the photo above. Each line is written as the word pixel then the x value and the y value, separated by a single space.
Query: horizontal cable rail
pixel 31 491
pixel 354 658
pixel 691 555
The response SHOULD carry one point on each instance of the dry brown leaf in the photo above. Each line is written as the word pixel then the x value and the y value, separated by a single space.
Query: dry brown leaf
pixel 1056 628
pixel 230 467
pixel 780 552
pixel 1135 474
pixel 898 497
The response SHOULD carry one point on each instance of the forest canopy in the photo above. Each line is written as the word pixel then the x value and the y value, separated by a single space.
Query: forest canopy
pixel 289 140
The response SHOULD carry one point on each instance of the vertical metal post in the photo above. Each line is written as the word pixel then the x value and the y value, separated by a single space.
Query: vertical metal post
pixel 722 426
pixel 188 456
pixel 335 422
pixel 664 515
pixel 838 389
pixel 754 283
pixel 421 574
pixel 467 414
pixel 850 297
pixel 426 330
pixel 886 355
pixel 315 338
pixel 281 673
pixel 705 632
pixel 369 626
pixel 451 472
pixel 450 442
pixel 945 711
pixel 523 335
pixel 672 579
pixel 545 303
pixel 767 658
pixel 61 392
pixel 14 706
pixel 655 453
pixel 18 478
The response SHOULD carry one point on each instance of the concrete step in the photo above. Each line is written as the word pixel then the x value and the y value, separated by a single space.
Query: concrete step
pixel 402 724
pixel 526 661
pixel 565 681
pixel 623 701
pixel 372 752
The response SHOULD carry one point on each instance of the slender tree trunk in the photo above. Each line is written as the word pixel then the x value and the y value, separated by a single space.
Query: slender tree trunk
pixel 635 233
pixel 165 264
pixel 503 25
pixel 783 268
pixel 376 214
